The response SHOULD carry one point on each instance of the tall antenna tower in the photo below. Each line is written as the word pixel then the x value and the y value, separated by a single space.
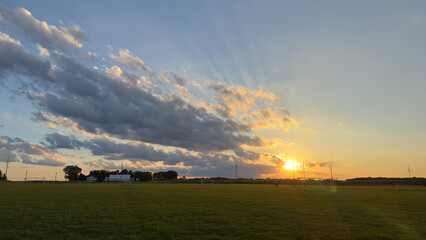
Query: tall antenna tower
pixel 331 173
pixel 409 172
pixel 7 166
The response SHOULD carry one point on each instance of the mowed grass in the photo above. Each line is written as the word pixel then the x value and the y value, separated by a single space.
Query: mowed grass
pixel 194 211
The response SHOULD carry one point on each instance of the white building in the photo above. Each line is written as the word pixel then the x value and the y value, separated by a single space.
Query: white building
pixel 91 179
pixel 118 178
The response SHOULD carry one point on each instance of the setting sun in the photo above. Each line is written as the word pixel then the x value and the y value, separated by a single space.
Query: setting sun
pixel 291 165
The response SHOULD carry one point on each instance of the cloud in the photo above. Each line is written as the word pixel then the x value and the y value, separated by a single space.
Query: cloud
pixel 155 115
pixel 15 59
pixel 48 36
pixel 6 154
pixel 114 71
pixel 59 140
pixel 128 59
pixel 19 150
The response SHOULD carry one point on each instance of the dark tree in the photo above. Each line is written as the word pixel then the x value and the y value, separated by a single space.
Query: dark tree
pixel 101 174
pixel 158 176
pixel 143 176
pixel 171 175
pixel 82 177
pixel 72 172
pixel 124 171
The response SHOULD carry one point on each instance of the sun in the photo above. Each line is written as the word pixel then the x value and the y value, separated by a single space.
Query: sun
pixel 290 164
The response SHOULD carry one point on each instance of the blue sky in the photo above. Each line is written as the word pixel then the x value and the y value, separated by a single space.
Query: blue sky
pixel 350 74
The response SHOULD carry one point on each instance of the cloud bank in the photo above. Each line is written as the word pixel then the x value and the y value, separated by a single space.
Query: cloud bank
pixel 125 110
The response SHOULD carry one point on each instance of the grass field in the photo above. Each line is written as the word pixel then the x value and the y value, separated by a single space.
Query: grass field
pixel 189 211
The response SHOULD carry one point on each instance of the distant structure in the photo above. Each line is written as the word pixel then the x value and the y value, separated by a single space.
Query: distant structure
pixel 7 166
pixel 331 173
pixel 91 179
pixel 236 170
pixel 409 172
pixel 118 178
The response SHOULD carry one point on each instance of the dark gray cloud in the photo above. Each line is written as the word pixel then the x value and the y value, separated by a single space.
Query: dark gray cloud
pixel 15 59
pixel 19 150
pixel 101 104
pixel 57 140
pixel 7 154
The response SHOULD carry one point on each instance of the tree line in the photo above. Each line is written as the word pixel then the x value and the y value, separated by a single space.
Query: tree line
pixel 73 173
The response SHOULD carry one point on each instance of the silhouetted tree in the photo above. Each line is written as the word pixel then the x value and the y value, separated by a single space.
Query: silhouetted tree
pixel 101 174
pixel 171 175
pixel 72 172
pixel 143 176
pixel 124 171
pixel 82 177
pixel 2 176
pixel 158 176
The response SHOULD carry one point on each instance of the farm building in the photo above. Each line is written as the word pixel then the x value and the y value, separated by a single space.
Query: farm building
pixel 91 179
pixel 119 178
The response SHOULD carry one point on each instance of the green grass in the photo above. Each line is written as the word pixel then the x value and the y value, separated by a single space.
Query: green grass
pixel 189 211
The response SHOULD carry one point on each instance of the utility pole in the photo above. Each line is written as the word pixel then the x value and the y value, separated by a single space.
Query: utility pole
pixel 331 173
pixel 294 183
pixel 409 172
pixel 7 166
pixel 26 175
pixel 236 170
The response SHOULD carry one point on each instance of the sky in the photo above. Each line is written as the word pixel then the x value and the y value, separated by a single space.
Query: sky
pixel 199 86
